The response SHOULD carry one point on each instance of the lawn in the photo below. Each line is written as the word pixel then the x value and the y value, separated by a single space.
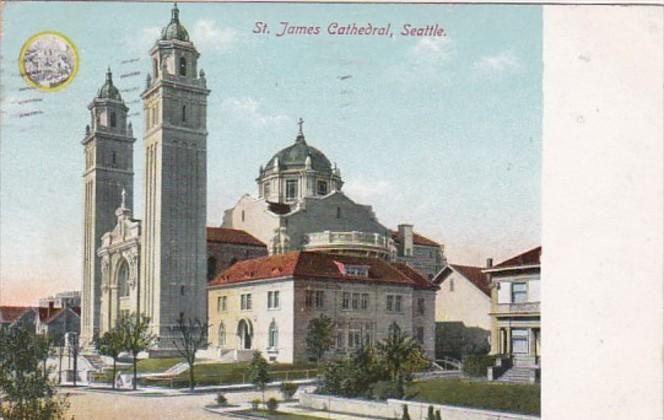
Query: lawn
pixel 233 373
pixel 514 398
pixel 264 414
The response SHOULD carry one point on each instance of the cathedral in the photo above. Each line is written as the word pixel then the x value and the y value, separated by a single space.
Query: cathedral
pixel 160 265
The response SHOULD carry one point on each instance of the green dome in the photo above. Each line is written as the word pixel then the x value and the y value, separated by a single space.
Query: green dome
pixel 295 156
pixel 175 30
pixel 108 90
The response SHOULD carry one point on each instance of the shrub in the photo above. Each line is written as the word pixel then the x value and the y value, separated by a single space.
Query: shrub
pixel 272 405
pixel 288 389
pixel 255 403
pixel 221 399
pixel 476 365
pixel 438 415
pixel 385 389
pixel 430 414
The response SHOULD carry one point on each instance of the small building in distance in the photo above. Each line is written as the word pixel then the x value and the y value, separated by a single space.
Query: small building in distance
pixel 227 246
pixel 266 304
pixel 70 298
pixel 463 303
pixel 51 321
pixel 515 316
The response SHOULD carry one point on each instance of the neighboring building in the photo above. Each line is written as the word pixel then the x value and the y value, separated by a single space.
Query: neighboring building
pixel 300 206
pixel 515 311
pixel 226 246
pixel 463 303
pixel 71 299
pixel 51 321
pixel 266 304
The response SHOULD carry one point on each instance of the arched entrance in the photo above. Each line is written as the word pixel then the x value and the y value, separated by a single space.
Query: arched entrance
pixel 245 333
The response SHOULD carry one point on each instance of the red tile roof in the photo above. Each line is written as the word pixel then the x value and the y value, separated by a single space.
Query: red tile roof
pixel 9 314
pixel 232 236
pixel 414 275
pixel 473 274
pixel 319 265
pixel 417 239
pixel 531 257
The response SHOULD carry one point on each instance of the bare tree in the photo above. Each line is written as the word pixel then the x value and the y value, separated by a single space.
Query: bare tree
pixel 136 337
pixel 193 336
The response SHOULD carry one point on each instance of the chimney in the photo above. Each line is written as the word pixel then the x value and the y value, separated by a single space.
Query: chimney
pixel 489 262
pixel 50 309
pixel 406 237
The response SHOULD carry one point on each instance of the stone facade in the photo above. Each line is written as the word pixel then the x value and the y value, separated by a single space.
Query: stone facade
pixel 358 307
pixel 173 254
pixel 225 247
pixel 108 150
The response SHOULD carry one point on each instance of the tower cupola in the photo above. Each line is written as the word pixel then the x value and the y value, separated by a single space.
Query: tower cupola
pixel 175 30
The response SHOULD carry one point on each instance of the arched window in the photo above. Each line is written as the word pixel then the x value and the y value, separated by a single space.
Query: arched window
pixel 113 119
pixel 123 278
pixel 211 268
pixel 273 335
pixel 394 329
pixel 221 341
pixel 183 66
pixel 184 113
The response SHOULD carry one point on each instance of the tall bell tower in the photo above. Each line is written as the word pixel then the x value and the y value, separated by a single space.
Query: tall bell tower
pixel 109 156
pixel 173 262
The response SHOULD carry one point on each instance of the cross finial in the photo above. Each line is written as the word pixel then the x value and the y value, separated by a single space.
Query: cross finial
pixel 300 122
pixel 124 196
pixel 175 12
pixel 108 74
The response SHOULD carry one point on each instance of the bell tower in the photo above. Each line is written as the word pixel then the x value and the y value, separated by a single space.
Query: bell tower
pixel 173 262
pixel 108 151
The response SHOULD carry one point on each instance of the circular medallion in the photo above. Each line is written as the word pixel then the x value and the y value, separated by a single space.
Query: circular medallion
pixel 48 61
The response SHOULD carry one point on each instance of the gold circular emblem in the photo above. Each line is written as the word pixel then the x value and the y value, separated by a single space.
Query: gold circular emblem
pixel 48 61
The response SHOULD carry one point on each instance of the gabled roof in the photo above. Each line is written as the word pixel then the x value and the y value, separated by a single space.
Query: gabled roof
pixel 232 236
pixel 417 239
pixel 531 257
pixel 473 274
pixel 9 314
pixel 414 275
pixel 318 265
pixel 56 313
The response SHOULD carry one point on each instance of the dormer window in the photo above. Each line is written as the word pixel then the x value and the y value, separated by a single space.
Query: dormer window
pixel 322 188
pixel 352 269
pixel 183 66
pixel 291 189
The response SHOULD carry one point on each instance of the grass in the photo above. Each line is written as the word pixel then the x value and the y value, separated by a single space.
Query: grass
pixel 514 398
pixel 278 415
pixel 142 366
pixel 233 373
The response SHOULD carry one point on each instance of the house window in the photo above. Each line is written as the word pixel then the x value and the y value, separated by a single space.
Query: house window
pixel 519 292
pixel 356 270
pixel 397 303
pixel 221 341
pixel 420 335
pixel 390 303
pixel 394 329
pixel 519 340
pixel 245 302
pixel 354 338
pixel 183 66
pixel 319 299
pixel 113 119
pixel 451 285
pixel 273 300
pixel 243 215
pixel 273 335
pixel 338 212
pixel 314 298
pixel 221 303
pixel 340 340
pixel 420 306
pixel 322 187
pixel 181 290
pixel 367 335
pixel 356 301
pixel 345 300
pixel 309 298
pixel 184 113
pixel 291 189
pixel 365 301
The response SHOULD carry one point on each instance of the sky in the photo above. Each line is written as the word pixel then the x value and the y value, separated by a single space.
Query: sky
pixel 443 133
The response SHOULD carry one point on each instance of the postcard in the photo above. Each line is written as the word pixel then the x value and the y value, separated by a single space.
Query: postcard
pixel 281 210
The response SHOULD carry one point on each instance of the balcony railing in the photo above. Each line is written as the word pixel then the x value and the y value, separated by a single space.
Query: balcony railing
pixel 518 308
pixel 328 238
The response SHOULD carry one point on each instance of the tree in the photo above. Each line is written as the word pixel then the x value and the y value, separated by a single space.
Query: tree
pixel 320 336
pixel 111 344
pixel 193 336
pixel 258 372
pixel 401 356
pixel 26 390
pixel 136 337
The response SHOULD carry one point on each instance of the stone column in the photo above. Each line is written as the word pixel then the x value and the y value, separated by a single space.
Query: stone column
pixel 508 341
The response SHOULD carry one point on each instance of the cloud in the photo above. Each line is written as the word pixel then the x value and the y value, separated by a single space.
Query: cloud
pixel 247 110
pixel 502 62
pixel 142 41
pixel 367 191
pixel 208 36
pixel 431 51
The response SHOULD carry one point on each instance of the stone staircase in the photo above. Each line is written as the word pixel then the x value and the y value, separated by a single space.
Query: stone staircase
pixel 524 370
pixel 96 362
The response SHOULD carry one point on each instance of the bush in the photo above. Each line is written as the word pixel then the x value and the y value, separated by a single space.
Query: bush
pixel 405 415
pixel 272 405
pixel 430 414
pixel 255 403
pixel 438 415
pixel 476 365
pixel 221 399
pixel 385 389
pixel 288 389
